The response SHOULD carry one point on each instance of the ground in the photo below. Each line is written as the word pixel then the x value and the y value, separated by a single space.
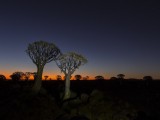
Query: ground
pixel 90 100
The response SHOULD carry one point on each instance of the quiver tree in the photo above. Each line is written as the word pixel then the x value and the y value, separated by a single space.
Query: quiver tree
pixel 41 52
pixel 68 63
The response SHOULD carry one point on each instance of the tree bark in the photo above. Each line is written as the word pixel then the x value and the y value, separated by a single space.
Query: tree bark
pixel 38 81
pixel 67 92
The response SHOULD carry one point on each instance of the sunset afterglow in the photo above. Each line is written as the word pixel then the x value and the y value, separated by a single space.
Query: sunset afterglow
pixel 114 40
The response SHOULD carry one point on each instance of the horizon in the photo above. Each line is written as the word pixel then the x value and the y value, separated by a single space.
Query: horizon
pixel 53 77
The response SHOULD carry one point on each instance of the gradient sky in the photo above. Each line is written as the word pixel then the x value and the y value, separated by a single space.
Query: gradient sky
pixel 115 36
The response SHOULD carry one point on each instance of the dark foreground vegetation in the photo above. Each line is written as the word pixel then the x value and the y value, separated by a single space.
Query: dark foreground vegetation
pixel 90 100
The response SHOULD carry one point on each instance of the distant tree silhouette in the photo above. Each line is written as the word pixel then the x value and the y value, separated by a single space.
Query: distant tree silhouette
pixel 34 75
pixel 147 78
pixel 68 63
pixel 113 78
pixel 27 75
pixel 99 77
pixel 120 76
pixel 16 76
pixel 41 52
pixel 2 77
pixel 86 78
pixel 59 77
pixel 46 77
pixel 78 77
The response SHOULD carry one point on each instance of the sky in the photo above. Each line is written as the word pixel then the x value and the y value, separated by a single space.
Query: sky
pixel 115 36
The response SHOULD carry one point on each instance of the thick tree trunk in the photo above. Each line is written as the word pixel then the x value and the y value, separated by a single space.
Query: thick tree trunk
pixel 38 80
pixel 67 92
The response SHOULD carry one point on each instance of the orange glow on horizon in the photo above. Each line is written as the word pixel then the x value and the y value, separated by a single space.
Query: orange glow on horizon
pixel 53 75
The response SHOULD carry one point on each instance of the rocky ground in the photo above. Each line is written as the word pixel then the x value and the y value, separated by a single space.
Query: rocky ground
pixel 89 101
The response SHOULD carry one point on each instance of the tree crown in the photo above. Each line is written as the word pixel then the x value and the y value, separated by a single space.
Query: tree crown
pixel 70 61
pixel 42 52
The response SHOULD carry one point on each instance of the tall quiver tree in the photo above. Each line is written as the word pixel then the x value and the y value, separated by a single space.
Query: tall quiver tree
pixel 41 52
pixel 68 63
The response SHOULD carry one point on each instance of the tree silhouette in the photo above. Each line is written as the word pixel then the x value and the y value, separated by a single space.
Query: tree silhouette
pixel 59 77
pixel 16 76
pixel 99 77
pixel 2 77
pixel 78 77
pixel 120 76
pixel 147 78
pixel 34 75
pixel 68 63
pixel 27 75
pixel 46 77
pixel 41 52
pixel 86 78
pixel 113 78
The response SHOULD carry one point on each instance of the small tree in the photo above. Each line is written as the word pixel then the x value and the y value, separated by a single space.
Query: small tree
pixel 147 78
pixel 41 52
pixel 2 77
pixel 86 78
pixel 59 77
pixel 113 78
pixel 78 77
pixel 46 77
pixel 68 63
pixel 34 74
pixel 16 76
pixel 120 76
pixel 27 75
pixel 99 77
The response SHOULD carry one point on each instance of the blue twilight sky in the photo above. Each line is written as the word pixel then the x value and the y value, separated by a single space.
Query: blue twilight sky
pixel 115 36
